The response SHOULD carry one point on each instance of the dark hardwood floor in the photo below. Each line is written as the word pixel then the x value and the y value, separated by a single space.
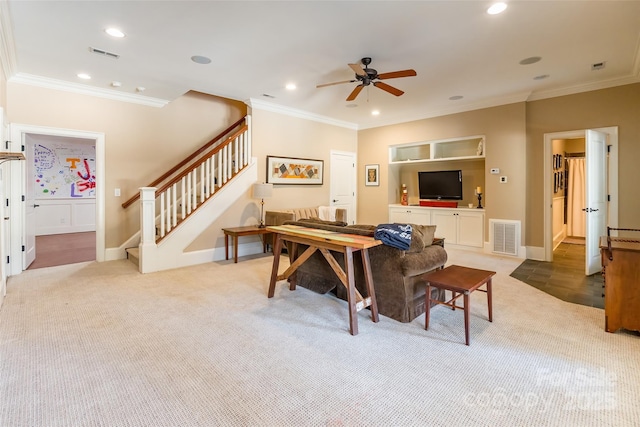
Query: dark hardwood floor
pixel 564 278
pixel 61 249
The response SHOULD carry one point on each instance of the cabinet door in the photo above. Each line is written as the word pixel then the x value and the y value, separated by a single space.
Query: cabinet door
pixel 401 215
pixel 420 216
pixel 471 229
pixel 446 225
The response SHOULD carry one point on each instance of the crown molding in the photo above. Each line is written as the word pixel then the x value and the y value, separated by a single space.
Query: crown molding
pixel 586 87
pixel 7 45
pixel 32 80
pixel 461 108
pixel 259 104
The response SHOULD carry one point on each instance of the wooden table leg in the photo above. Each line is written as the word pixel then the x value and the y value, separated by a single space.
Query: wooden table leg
pixel 466 317
pixel 489 304
pixel 277 247
pixel 368 278
pixel 226 246
pixel 351 291
pixel 235 248
pixel 427 307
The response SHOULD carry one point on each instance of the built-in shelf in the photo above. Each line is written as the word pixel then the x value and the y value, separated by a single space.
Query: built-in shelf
pixel 466 148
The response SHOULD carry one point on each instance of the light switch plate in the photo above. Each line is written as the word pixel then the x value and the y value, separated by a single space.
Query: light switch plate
pixel 116 192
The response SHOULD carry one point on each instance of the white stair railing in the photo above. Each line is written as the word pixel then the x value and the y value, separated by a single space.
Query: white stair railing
pixel 180 197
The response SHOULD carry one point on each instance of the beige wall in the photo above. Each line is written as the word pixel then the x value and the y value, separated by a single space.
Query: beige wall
pixel 504 129
pixel 283 136
pixel 618 106
pixel 141 142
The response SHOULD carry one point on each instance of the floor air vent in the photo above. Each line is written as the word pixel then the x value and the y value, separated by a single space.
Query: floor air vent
pixel 505 236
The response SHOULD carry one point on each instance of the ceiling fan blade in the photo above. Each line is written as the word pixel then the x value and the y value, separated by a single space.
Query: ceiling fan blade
pixel 396 74
pixel 335 83
pixel 355 93
pixel 392 90
pixel 357 69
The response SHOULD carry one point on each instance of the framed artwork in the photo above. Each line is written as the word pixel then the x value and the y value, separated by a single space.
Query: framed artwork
pixel 372 175
pixel 289 170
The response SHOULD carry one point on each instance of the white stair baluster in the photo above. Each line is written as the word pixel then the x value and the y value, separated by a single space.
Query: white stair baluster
pixel 162 214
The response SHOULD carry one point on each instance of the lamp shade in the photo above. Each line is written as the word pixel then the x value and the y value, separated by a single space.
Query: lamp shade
pixel 262 191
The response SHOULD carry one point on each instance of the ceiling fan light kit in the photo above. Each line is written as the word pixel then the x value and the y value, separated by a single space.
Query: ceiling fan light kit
pixel 367 76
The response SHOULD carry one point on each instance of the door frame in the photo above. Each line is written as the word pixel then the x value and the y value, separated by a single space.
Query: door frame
pixel 18 218
pixel 612 178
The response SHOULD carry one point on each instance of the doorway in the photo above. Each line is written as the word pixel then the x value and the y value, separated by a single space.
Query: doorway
pixel 343 183
pixel 23 220
pixel 610 167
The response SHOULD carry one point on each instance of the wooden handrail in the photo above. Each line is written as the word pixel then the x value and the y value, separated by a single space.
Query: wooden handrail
pixel 202 159
pixel 185 161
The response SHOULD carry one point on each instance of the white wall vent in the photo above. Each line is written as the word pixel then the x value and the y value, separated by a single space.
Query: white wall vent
pixel 104 53
pixel 505 236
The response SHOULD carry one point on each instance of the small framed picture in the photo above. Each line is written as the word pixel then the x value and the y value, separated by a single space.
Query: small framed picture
pixel 372 175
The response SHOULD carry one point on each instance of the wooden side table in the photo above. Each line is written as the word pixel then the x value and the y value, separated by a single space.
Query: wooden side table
pixel 235 232
pixel 461 281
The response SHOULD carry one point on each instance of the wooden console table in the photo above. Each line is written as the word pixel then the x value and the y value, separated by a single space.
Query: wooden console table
pixel 621 270
pixel 235 232
pixel 325 241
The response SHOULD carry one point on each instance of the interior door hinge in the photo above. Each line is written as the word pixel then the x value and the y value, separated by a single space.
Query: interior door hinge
pixel 7 203
pixel 23 198
pixel 608 197
pixel 23 248
pixel 6 144
pixel 608 148
pixel 8 260
pixel 22 148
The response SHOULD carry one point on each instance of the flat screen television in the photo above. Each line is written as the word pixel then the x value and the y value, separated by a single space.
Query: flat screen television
pixel 440 185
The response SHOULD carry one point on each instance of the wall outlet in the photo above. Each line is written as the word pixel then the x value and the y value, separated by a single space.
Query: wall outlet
pixel 495 171
pixel 503 179
pixel 116 192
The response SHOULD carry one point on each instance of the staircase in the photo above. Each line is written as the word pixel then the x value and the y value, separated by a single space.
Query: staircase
pixel 176 208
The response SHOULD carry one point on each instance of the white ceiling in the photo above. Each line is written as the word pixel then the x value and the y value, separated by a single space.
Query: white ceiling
pixel 257 47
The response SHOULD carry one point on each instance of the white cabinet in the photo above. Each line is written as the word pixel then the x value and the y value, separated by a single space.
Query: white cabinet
pixel 471 147
pixel 463 227
pixel 459 226
pixel 409 214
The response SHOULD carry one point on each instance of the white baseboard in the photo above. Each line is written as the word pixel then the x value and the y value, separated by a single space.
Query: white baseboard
pixel 535 253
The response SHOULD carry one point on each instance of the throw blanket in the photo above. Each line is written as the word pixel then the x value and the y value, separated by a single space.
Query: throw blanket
pixel 327 213
pixel 395 235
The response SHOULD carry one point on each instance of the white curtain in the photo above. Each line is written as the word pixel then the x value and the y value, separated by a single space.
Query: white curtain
pixel 576 200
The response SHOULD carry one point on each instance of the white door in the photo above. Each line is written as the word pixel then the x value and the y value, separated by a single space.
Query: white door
pixel 30 209
pixel 596 198
pixel 343 183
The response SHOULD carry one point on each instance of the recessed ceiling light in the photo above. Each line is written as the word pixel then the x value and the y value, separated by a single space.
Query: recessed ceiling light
pixel 116 84
pixel 291 86
pixel 114 32
pixel 496 8
pixel 530 60
pixel 141 89
pixel 541 77
pixel 84 76
pixel 455 97
pixel 375 113
pixel 201 59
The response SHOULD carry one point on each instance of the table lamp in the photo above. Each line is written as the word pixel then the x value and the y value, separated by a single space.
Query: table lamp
pixel 262 191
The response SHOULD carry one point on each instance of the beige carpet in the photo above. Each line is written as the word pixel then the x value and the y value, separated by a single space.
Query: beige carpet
pixel 101 345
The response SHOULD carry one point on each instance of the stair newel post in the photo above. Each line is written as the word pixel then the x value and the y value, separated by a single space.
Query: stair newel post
pixel 147 245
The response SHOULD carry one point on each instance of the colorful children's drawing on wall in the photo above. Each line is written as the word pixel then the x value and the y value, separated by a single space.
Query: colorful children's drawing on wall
pixel 65 171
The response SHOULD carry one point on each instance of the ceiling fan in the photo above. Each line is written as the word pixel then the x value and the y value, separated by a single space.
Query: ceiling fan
pixel 367 76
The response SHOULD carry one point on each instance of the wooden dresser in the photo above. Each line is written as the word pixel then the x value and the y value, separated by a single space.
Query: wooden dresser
pixel 621 270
